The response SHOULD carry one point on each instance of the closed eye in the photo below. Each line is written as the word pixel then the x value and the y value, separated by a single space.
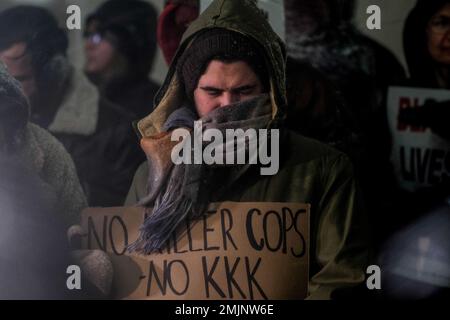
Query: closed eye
pixel 214 92
pixel 246 90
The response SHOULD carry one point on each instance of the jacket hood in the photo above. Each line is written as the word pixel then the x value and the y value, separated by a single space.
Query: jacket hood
pixel 241 16
pixel 420 63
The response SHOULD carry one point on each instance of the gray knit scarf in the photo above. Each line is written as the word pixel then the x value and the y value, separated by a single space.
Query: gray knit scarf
pixel 188 190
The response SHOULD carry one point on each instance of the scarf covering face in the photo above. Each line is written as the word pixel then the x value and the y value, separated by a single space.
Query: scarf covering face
pixel 182 192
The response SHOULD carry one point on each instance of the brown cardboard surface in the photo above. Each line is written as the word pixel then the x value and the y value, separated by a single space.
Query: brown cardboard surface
pixel 236 251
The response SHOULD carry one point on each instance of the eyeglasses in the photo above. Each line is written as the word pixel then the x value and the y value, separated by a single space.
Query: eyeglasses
pixel 93 37
pixel 440 25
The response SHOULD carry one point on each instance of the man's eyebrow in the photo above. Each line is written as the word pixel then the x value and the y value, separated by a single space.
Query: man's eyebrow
pixel 245 87
pixel 241 88
pixel 209 88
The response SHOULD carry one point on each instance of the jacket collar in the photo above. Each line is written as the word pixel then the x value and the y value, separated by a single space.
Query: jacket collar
pixel 78 113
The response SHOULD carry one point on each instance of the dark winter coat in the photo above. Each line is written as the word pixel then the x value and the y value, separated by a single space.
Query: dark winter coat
pixel 97 131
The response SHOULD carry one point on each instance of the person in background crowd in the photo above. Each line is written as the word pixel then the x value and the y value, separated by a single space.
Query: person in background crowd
pixel 120 43
pixel 427 39
pixel 40 198
pixel 173 22
pixel 416 257
pixel 38 150
pixel 426 42
pixel 62 100
pixel 321 34
pixel 120 48
pixel 34 49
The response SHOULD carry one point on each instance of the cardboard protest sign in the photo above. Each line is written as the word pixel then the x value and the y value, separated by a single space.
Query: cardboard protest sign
pixel 420 157
pixel 235 251
pixel 273 9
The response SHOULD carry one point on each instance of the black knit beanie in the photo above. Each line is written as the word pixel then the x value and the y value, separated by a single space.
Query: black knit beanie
pixel 224 45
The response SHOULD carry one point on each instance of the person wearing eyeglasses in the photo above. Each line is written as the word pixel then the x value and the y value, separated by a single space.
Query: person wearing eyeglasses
pixel 426 42
pixel 414 258
pixel 438 31
pixel 120 46
pixel 420 152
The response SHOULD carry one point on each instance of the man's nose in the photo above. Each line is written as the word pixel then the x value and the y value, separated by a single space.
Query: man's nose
pixel 229 98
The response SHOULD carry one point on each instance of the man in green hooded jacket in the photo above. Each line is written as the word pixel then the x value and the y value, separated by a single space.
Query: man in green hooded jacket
pixel 230 70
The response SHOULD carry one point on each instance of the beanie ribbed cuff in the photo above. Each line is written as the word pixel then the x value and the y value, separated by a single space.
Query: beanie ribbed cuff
pixel 218 43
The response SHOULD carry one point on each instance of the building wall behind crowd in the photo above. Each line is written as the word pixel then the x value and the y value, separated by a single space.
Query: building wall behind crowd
pixel 393 14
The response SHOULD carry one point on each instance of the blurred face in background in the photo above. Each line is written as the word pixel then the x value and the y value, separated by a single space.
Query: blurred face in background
pixel 102 58
pixel 438 33
pixel 19 65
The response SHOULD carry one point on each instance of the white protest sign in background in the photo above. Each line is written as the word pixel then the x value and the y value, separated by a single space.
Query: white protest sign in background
pixel 274 9
pixel 236 251
pixel 420 157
